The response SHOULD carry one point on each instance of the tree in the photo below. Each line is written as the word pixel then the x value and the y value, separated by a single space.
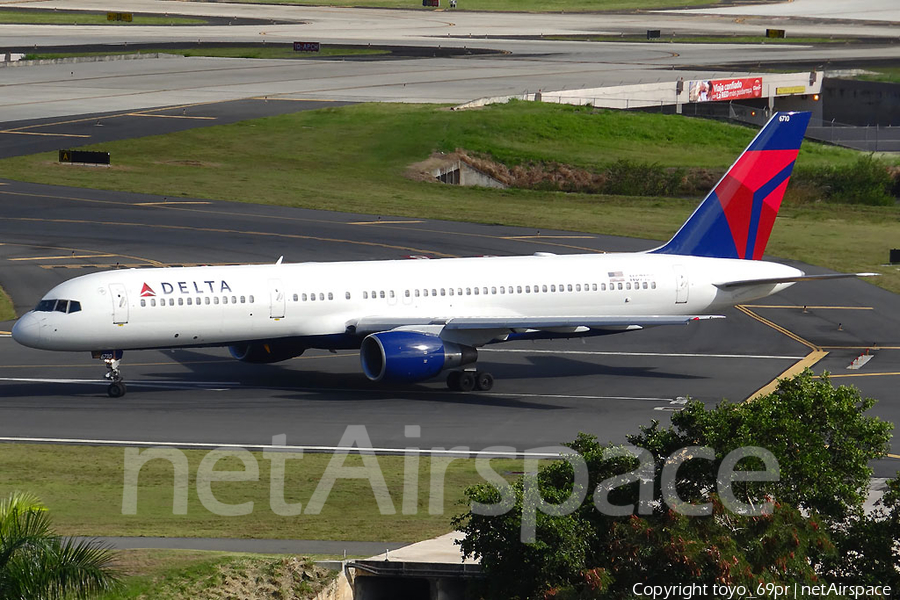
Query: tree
pixel 37 564
pixel 822 441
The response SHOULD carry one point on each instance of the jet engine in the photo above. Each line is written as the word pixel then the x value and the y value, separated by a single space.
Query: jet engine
pixel 408 356
pixel 266 352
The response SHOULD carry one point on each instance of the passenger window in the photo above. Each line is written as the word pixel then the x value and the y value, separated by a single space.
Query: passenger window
pixel 206 300
pixel 224 299
pixel 628 286
pixel 406 293
pixel 312 297
pixel 494 290
pixel 602 287
pixel 652 285
pixel 620 286
pixel 425 293
pixel 552 288
pixel 365 295
pixel 215 299
pixel 451 291
pixel 143 302
pixel 476 291
pixel 322 296
pixel 244 298
pixel 251 299
pixel 418 293
pixel 189 301
pixel 459 291
pixel 527 289
pixel 346 295
pixel 374 294
pixel 433 292
pixel 518 289
pixel 468 291
pixel 331 295
pixel 181 302
pixel 594 287
pixel 570 287
pixel 484 291
pixel 544 288
pixel 644 285
pixel 443 291
pixel 502 289
pixel 153 301
pixel 381 294
pixel 296 298
pixel 577 287
pixel 304 297
pixel 234 299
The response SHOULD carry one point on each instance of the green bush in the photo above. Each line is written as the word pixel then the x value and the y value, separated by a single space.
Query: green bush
pixel 867 181
pixel 630 178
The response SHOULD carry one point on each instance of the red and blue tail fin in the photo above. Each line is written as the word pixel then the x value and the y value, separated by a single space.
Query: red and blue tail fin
pixel 736 218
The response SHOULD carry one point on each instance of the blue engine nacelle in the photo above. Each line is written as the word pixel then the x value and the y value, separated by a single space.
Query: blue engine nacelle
pixel 408 356
pixel 266 352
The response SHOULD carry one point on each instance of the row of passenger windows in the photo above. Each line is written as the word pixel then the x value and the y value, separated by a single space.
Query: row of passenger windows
pixel 189 301
pixel 312 297
pixel 519 289
pixel 63 306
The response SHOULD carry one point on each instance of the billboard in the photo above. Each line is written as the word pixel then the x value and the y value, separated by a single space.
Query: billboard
pixel 712 90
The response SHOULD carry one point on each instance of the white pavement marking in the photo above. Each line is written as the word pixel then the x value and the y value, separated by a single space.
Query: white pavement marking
pixel 163 384
pixel 660 354
pixel 348 449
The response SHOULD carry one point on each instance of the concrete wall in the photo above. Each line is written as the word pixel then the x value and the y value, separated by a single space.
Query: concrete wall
pixel 861 102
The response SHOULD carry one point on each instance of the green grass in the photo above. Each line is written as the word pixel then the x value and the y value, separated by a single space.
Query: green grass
pixel 83 488
pixel 42 17
pixel 7 312
pixel 541 6
pixel 722 39
pixel 228 52
pixel 883 74
pixel 189 574
pixel 354 158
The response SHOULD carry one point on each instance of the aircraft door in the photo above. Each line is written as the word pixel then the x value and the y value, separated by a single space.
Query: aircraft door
pixel 120 303
pixel 276 299
pixel 681 284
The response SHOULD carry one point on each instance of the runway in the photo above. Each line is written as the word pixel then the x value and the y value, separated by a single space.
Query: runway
pixel 546 392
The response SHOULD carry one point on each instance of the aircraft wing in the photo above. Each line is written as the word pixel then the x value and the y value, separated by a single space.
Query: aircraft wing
pixel 725 285
pixel 368 325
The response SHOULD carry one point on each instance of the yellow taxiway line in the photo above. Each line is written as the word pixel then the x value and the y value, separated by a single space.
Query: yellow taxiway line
pixel 64 257
pixel 809 307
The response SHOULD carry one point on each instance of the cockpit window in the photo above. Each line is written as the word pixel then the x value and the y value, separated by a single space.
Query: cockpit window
pixel 45 306
pixel 63 306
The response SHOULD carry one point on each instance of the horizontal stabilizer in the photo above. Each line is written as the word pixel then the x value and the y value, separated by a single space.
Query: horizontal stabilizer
pixel 774 280
pixel 376 324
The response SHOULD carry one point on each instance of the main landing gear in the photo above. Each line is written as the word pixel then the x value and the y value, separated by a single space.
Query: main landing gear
pixel 466 381
pixel 116 388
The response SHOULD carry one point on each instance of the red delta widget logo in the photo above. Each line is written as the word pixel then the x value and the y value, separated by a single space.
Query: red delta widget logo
pixel 210 286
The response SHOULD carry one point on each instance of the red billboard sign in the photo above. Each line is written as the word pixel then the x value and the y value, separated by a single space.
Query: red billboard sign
pixel 725 89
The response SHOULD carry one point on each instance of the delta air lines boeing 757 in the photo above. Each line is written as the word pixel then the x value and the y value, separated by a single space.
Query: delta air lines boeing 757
pixel 413 320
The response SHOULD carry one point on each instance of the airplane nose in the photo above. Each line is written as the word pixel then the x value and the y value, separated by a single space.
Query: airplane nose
pixel 27 331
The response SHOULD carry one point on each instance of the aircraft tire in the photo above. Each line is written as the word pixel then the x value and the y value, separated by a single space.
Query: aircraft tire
pixel 453 380
pixel 466 381
pixel 484 381
pixel 116 389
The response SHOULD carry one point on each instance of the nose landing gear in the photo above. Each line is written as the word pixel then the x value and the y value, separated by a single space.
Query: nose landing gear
pixel 112 359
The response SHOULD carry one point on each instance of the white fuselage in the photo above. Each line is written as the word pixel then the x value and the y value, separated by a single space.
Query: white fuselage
pixel 197 306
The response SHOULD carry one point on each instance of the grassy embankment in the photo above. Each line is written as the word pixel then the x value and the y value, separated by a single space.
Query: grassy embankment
pixel 83 488
pixel 354 159
pixel 7 313
pixel 45 17
pixel 274 51
pixel 186 574
pixel 883 74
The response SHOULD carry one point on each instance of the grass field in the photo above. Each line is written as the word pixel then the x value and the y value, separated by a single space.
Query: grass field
pixel 280 51
pixel 883 74
pixel 45 17
pixel 187 575
pixel 83 488
pixel 7 313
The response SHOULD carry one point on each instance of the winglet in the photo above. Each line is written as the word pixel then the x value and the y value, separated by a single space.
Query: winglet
pixel 736 218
